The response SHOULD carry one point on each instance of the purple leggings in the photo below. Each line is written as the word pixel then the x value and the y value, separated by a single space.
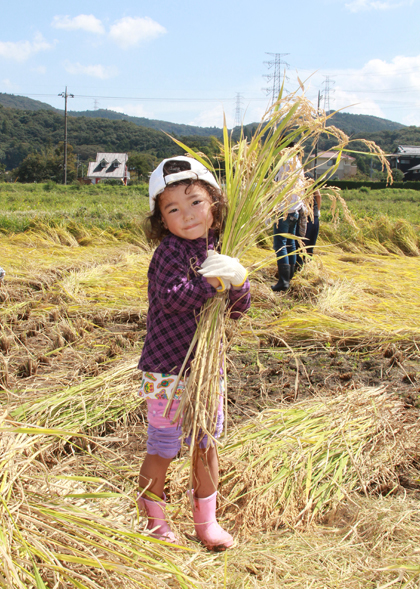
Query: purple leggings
pixel 164 438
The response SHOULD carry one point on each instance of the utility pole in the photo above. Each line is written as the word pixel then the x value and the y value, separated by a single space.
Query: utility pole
pixel 238 110
pixel 277 64
pixel 316 145
pixel 65 95
pixel 327 90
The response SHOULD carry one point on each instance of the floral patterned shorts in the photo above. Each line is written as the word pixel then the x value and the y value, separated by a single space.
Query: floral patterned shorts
pixel 158 385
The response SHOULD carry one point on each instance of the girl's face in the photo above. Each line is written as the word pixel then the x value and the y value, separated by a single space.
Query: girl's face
pixel 186 211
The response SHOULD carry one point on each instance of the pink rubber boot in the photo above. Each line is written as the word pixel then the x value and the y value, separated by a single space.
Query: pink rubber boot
pixel 208 530
pixel 156 519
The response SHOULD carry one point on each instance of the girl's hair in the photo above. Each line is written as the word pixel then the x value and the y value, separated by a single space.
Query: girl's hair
pixel 153 224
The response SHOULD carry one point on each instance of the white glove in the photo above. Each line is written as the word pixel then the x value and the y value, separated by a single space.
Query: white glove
pixel 225 284
pixel 224 268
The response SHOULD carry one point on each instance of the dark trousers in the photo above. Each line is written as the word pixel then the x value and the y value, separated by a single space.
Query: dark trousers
pixel 312 230
pixel 283 246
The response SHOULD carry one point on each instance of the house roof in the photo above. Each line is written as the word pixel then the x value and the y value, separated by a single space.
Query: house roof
pixel 333 155
pixel 408 150
pixel 108 165
pixel 414 168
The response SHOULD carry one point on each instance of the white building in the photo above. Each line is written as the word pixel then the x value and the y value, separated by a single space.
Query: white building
pixel 109 166
pixel 327 159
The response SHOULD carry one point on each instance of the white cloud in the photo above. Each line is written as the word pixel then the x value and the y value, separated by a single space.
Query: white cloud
pixel 83 22
pixel 363 5
pixel 22 50
pixel 129 32
pixel 95 71
pixel 8 84
pixel 213 117
pixel 357 104
pixel 384 89
pixel 412 118
pixel 252 112
pixel 41 69
pixel 133 110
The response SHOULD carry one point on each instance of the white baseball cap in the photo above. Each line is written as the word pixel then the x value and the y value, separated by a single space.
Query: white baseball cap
pixel 175 169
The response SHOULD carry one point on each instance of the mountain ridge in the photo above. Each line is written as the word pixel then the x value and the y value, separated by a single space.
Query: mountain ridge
pixel 351 124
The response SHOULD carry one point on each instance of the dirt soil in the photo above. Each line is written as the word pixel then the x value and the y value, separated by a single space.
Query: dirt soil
pixel 275 374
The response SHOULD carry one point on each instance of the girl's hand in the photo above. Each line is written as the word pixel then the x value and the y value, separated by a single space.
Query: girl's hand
pixel 215 282
pixel 218 284
pixel 224 268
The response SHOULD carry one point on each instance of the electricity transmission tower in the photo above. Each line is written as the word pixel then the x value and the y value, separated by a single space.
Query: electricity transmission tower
pixel 65 95
pixel 238 110
pixel 328 83
pixel 95 104
pixel 279 68
pixel 316 145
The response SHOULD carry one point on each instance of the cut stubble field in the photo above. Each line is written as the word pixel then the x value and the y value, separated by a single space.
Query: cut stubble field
pixel 320 478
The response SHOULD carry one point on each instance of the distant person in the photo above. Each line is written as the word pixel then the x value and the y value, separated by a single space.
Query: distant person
pixel 187 208
pixel 312 231
pixel 288 216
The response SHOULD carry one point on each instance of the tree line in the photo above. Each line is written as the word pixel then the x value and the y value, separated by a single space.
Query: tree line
pixel 31 147
pixel 31 144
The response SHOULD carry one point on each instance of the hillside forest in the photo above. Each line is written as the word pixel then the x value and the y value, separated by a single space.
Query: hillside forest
pixel 31 141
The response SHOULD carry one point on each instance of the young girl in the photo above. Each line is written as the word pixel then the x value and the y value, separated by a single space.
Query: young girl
pixel 187 210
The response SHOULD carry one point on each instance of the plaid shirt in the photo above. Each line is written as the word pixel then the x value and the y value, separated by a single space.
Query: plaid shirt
pixel 176 293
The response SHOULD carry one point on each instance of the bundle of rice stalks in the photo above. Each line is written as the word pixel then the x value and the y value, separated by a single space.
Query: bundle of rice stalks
pixel 86 407
pixel 292 465
pixel 249 168
pixel 52 231
pixel 102 277
pixel 53 536
pixel 348 299
pixel 379 235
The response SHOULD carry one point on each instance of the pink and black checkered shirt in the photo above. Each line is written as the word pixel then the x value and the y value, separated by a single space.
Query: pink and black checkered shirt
pixel 176 293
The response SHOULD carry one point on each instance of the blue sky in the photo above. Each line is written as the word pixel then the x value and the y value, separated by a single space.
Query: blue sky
pixel 187 61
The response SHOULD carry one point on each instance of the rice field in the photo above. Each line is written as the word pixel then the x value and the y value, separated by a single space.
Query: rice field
pixel 320 487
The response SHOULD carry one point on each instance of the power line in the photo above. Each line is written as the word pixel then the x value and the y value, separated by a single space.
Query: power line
pixel 405 89
pixel 153 98
pixel 367 74
pixel 141 98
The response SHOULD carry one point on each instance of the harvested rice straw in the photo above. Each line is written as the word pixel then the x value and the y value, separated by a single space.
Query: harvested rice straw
pixel 53 536
pixel 293 464
pixel 85 406
pixel 250 168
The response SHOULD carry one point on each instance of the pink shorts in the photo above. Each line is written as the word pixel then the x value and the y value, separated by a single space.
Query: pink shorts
pixel 164 437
